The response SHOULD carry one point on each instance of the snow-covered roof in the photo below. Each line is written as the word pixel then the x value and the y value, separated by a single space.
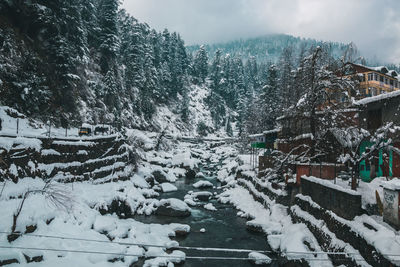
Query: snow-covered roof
pixel 277 130
pixel 256 135
pixel 393 73
pixel 86 125
pixel 371 99
pixel 381 69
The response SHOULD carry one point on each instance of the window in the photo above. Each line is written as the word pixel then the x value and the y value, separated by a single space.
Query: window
pixel 370 76
pixel 391 82
pixel 386 80
pixel 375 76
pixel 373 91
pixel 381 79
pixel 396 84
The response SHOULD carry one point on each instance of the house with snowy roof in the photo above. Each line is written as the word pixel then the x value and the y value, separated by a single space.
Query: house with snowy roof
pixel 374 80
pixel 375 112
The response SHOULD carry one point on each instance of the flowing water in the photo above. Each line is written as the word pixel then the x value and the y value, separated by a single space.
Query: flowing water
pixel 224 229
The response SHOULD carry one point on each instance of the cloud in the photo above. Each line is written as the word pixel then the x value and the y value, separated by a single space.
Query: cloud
pixel 374 25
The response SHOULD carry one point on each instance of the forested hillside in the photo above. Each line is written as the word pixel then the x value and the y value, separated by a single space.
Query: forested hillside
pixel 90 61
pixel 269 48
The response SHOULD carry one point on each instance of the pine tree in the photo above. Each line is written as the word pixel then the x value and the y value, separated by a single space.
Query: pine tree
pixel 108 34
pixel 200 64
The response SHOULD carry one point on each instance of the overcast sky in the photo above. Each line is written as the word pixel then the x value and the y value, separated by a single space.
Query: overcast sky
pixel 374 25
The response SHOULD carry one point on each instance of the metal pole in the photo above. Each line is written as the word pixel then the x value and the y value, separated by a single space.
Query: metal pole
pixel 17 125
pixel 49 128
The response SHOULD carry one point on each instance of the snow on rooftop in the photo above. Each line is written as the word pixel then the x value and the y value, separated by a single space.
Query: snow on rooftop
pixel 277 130
pixel 371 99
pixel 256 135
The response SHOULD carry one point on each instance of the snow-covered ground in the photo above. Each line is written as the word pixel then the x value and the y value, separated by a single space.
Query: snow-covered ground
pixel 81 212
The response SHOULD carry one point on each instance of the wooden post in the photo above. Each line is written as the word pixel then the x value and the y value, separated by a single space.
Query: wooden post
pixel 335 172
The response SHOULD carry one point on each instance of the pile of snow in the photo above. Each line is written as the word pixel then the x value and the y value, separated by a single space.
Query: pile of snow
pixel 202 184
pixel 283 235
pixel 83 221
pixel 210 207
pixel 167 187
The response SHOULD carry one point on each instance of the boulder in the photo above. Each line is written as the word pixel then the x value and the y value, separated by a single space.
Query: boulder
pixel 173 207
pixel 202 196
pixel 203 184
pixel 190 174
pixel 160 176
pixel 200 175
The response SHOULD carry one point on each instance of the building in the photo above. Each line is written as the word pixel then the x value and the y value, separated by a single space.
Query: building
pixel 375 80
pixel 375 112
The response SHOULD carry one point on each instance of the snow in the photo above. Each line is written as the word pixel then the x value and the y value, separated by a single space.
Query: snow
pixel 372 99
pixel 210 207
pixel 47 152
pixel 393 184
pixel 282 234
pixel 175 204
pixel 330 185
pixel 8 142
pixel 259 258
pixel 83 220
pixel 382 237
pixel 167 187
pixel 202 184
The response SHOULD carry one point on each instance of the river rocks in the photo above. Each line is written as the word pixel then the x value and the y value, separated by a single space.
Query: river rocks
pixel 202 195
pixel 160 176
pixel 193 198
pixel 180 229
pixel 190 174
pixel 200 175
pixel 173 207
pixel 167 187
pixel 259 259
pixel 254 227
pixel 210 206
pixel 202 184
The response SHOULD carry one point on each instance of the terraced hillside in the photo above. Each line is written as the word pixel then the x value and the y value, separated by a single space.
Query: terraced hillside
pixel 100 159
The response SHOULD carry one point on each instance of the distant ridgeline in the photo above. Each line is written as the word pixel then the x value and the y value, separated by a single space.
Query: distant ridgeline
pixel 268 48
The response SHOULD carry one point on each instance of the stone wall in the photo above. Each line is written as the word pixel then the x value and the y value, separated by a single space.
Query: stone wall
pixel 343 203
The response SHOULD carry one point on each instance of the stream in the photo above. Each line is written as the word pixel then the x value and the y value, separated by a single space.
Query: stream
pixel 224 229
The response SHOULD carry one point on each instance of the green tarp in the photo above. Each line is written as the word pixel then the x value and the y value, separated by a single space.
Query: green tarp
pixel 365 169
pixel 258 145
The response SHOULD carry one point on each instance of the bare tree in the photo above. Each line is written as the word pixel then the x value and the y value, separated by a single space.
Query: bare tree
pixel 56 194
pixel 353 138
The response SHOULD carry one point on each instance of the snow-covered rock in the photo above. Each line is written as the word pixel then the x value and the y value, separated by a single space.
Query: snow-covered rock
pixel 210 206
pixel 200 175
pixel 202 184
pixel 167 187
pixel 259 258
pixel 173 207
pixel 202 195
